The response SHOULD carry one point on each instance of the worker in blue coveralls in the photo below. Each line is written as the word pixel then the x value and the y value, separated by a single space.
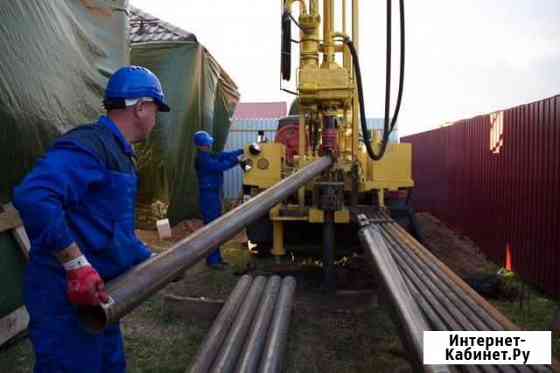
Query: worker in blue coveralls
pixel 210 171
pixel 78 207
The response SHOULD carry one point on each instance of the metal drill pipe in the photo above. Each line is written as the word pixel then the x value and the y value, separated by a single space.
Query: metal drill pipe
pixel 466 319
pixel 474 309
pixel 422 253
pixel 435 263
pixel 432 318
pixel 273 355
pixel 426 289
pixel 478 304
pixel 429 302
pixel 213 340
pixel 404 238
pixel 461 301
pixel 253 348
pixel 133 287
pixel 227 357
pixel 410 317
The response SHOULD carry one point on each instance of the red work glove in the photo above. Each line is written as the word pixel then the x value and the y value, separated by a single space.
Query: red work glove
pixel 85 286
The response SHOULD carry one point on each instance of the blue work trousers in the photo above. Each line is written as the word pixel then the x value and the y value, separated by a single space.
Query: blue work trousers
pixel 210 203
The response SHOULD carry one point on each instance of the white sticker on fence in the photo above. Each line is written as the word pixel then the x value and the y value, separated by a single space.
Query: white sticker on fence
pixel 484 348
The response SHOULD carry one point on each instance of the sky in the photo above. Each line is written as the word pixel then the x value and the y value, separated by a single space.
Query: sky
pixel 463 57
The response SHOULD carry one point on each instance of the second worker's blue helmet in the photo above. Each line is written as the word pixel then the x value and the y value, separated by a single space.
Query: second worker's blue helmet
pixel 134 82
pixel 202 138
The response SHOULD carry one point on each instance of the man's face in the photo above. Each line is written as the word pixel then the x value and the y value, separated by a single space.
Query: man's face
pixel 146 112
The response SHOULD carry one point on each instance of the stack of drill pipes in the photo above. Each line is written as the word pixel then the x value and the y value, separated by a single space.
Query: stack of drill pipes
pixel 254 346
pixel 227 357
pixel 273 355
pixel 409 315
pixel 482 308
pixel 439 276
pixel 405 241
pixel 430 298
pixel 445 298
pixel 213 340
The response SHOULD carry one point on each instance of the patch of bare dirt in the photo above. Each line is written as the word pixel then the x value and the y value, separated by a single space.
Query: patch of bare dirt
pixel 458 252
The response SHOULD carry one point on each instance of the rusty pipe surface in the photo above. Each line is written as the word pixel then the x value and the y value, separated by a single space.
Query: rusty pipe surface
pixel 213 340
pixel 254 345
pixel 133 287
pixel 227 357
pixel 273 355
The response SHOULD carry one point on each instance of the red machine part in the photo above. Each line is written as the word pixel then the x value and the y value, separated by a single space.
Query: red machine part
pixel 288 134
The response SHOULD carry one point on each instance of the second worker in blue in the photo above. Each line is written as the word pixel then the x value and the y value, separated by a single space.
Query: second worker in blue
pixel 210 171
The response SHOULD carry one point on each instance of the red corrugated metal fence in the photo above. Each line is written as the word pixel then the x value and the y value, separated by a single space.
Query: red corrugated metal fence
pixel 496 179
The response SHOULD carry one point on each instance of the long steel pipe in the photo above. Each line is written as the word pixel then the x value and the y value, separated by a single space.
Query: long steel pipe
pixel 227 357
pixel 489 322
pixel 462 303
pixel 273 356
pixel 410 317
pixel 213 340
pixel 441 316
pixel 132 288
pixel 254 346
pixel 462 315
pixel 442 276
pixel 442 301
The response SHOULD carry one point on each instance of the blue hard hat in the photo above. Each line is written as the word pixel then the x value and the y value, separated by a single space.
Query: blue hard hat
pixel 132 82
pixel 202 138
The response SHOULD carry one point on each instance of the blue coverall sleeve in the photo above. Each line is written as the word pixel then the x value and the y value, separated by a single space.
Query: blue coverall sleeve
pixel 218 164
pixel 231 154
pixel 57 182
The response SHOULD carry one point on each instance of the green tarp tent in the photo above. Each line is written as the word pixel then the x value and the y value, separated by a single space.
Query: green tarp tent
pixel 56 57
pixel 55 61
pixel 201 96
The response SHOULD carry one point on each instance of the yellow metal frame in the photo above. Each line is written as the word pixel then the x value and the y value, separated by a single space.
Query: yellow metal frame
pixel 264 178
pixel 327 88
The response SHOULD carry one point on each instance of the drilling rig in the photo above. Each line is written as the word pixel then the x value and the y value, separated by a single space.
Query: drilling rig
pixel 330 121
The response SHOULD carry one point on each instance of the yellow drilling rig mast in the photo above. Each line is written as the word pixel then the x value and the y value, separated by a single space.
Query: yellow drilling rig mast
pixel 331 121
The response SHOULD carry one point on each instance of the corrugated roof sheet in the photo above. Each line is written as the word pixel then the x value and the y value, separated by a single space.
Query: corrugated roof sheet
pixel 260 110
pixel 143 27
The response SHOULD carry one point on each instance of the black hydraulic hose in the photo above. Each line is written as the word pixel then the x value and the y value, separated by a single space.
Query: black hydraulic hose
pixel 286 47
pixel 388 64
pixel 387 127
pixel 401 73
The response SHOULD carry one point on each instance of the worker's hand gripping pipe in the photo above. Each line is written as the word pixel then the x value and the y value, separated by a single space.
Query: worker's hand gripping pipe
pixel 412 323
pixel 132 288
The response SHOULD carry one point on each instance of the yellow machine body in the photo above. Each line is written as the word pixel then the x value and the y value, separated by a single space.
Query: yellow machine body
pixel 327 92
pixel 266 168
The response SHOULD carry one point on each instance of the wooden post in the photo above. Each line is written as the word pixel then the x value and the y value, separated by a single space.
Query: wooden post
pixel 17 321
